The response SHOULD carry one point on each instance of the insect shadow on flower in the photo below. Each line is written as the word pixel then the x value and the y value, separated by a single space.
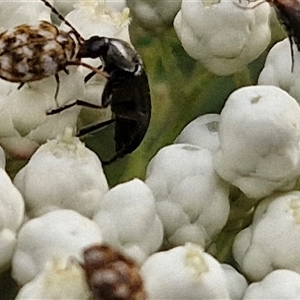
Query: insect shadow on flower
pixel 288 14
pixel 33 52
pixel 126 91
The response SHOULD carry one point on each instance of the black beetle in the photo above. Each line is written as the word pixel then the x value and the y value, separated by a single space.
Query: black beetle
pixel 126 91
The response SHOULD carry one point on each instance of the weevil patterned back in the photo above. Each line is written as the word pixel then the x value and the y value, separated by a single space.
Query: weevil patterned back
pixel 33 52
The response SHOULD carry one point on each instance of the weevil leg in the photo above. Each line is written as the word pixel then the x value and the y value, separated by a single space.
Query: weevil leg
pixel 57 89
pixel 77 102
pixel 21 85
pixel 93 127
pixel 66 71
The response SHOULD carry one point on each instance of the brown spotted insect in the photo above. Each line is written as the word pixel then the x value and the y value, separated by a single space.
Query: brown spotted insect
pixel 33 52
pixel 111 275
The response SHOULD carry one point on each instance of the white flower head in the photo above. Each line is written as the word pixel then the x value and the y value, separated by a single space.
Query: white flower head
pixel 272 241
pixel 63 173
pixel 279 70
pixel 24 120
pixel 259 134
pixel 184 272
pixel 191 199
pixel 59 234
pixel 128 220
pixel 279 284
pixel 222 35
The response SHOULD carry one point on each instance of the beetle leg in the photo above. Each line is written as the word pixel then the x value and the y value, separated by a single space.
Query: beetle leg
pixel 77 102
pixel 292 52
pixel 90 75
pixel 93 127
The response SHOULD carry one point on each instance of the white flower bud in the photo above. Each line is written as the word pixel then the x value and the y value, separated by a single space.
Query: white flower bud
pixel 259 134
pixel 128 220
pixel 279 284
pixel 236 282
pixel 272 241
pixel 23 119
pixel 279 70
pixel 63 173
pixel 184 272
pixel 191 199
pixel 201 132
pixel 59 281
pixel 223 36
pixel 11 218
pixel 59 234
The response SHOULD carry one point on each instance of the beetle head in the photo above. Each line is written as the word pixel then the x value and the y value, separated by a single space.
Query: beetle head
pixel 94 47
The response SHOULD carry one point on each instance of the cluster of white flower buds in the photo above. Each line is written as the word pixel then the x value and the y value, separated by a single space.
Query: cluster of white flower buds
pixel 233 176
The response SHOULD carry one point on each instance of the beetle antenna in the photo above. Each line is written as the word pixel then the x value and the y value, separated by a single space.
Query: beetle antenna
pixel 63 19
